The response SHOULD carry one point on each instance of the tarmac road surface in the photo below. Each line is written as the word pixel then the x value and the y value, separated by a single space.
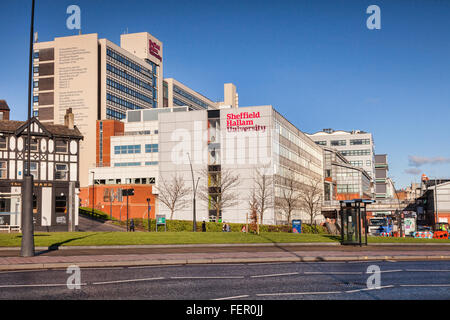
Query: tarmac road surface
pixel 404 280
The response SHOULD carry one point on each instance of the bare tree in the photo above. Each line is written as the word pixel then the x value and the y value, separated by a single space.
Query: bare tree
pixel 310 195
pixel 263 182
pixel 219 191
pixel 253 206
pixel 172 193
pixel 289 199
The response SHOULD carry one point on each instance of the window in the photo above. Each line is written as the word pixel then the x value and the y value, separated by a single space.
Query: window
pixel 127 149
pixel 36 69
pixel 36 55
pixel 61 146
pixel 151 163
pixel 60 205
pixel 354 142
pixel 3 143
pixel 321 143
pixel 35 113
pixel 34 169
pixel 33 145
pixel 35 98
pixel 127 164
pixel 61 172
pixel 149 148
pixel 338 142
pixel 36 84
pixel 368 163
pixel 3 170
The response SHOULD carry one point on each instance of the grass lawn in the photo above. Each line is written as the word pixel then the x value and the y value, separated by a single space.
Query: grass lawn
pixel 42 239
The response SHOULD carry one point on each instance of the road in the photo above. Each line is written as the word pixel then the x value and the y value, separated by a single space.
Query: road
pixel 405 280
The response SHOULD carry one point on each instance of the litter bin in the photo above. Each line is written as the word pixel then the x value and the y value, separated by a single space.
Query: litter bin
pixel 297 226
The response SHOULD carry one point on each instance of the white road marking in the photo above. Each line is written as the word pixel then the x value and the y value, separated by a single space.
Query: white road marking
pixel 367 289
pixel 274 275
pixel 387 271
pixel 129 280
pixel 157 266
pixel 296 293
pixel 230 298
pixel 332 272
pixel 36 285
pixel 230 277
pixel 110 268
pixel 425 285
pixel 420 270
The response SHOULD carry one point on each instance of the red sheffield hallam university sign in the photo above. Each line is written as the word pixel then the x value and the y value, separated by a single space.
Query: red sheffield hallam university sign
pixel 243 121
pixel 154 49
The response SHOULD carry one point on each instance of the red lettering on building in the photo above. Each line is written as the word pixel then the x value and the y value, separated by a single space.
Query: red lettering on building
pixel 243 121
pixel 154 49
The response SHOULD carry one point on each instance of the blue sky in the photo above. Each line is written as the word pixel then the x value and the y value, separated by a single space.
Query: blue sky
pixel 315 61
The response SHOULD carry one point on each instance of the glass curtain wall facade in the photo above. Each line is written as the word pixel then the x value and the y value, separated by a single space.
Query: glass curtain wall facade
pixel 296 157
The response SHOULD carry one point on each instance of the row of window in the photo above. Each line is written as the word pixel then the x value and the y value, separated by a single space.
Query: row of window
pixel 135 164
pixel 61 172
pixel 190 97
pixel 113 114
pixel 119 58
pixel 61 146
pixel 364 152
pixel 131 149
pixel 350 188
pixel 360 163
pixel 353 142
pixel 127 149
pixel 122 102
pixel 131 92
pixel 129 77
pixel 124 181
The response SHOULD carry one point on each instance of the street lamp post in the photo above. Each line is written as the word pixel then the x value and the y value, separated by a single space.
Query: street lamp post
pixel 194 189
pixel 148 214
pixel 27 245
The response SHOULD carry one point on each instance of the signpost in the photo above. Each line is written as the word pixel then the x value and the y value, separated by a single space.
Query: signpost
pixel 297 226
pixel 127 192
pixel 148 214
pixel 161 220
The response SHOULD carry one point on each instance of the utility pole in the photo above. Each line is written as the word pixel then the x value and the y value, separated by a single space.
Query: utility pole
pixel 194 189
pixel 436 201
pixel 27 245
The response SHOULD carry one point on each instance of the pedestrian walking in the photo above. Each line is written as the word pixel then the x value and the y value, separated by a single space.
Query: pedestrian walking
pixel 132 225
pixel 204 226
pixel 228 227
pixel 224 227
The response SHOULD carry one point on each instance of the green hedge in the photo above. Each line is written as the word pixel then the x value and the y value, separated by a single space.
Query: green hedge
pixel 184 225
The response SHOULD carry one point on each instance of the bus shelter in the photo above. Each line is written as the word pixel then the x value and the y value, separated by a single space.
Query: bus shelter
pixel 354 221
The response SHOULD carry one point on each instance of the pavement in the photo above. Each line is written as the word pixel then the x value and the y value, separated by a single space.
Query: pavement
pixel 160 255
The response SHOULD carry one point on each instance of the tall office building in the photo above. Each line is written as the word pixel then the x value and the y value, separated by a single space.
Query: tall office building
pixel 356 146
pixel 98 80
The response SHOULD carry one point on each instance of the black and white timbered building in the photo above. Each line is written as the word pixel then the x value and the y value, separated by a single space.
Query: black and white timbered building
pixel 55 168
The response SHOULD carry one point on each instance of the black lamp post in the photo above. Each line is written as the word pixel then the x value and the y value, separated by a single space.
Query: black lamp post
pixel 148 214
pixel 194 189
pixel 27 245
